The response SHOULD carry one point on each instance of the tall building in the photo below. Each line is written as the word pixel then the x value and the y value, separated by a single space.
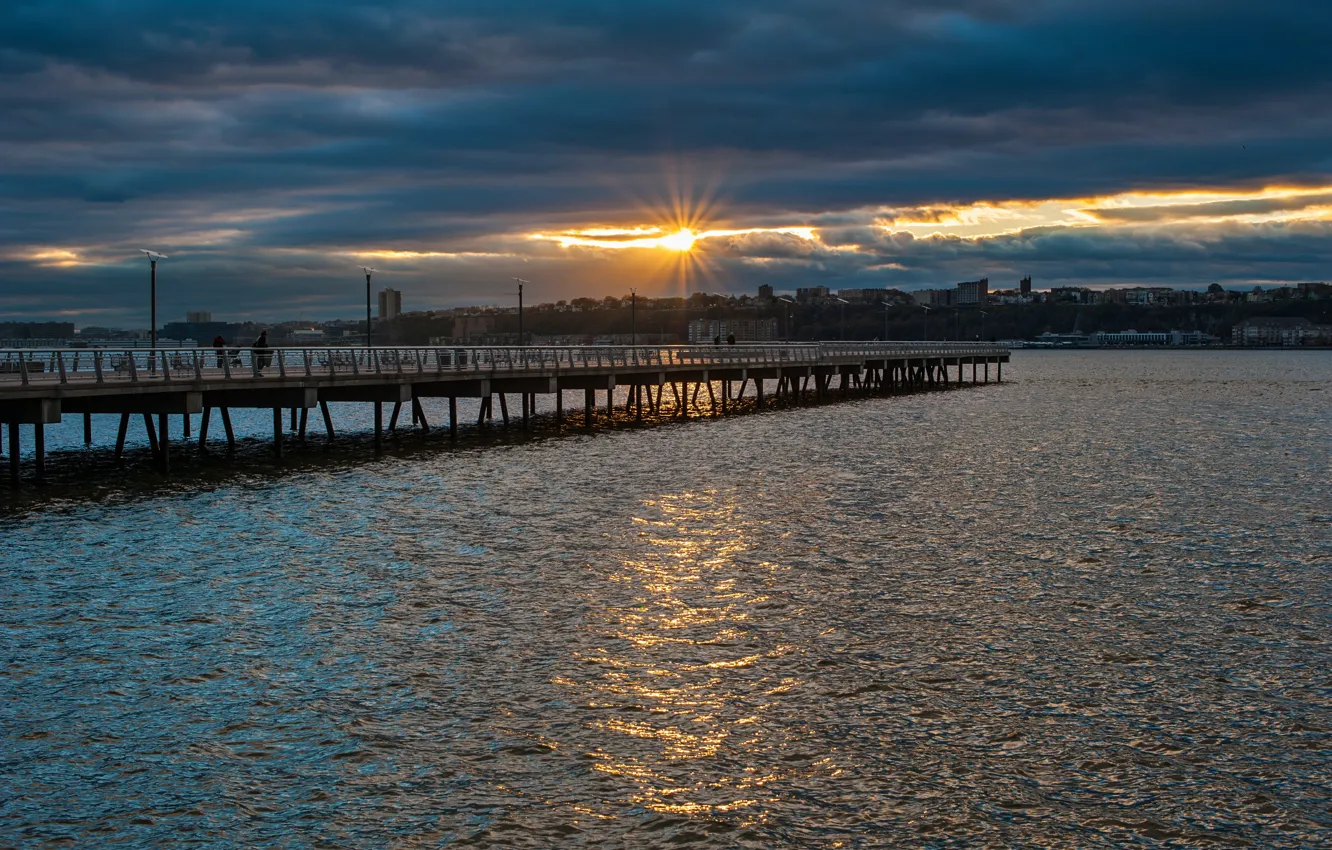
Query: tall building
pixel 765 292
pixel 198 317
pixel 390 303
pixel 1024 286
pixel 974 292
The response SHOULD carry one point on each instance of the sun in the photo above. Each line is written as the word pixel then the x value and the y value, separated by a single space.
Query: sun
pixel 681 240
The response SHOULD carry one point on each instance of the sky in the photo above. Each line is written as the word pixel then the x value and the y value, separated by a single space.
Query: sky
pixel 668 146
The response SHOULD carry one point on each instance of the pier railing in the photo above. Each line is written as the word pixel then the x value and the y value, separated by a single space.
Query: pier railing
pixel 137 365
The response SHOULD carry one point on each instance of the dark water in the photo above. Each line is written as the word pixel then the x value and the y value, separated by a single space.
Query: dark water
pixel 1086 608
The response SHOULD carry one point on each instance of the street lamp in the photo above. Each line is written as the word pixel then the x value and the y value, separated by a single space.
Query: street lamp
pixel 633 317
pixel 153 257
pixel 926 323
pixel 841 332
pixel 520 308
pixel 982 315
pixel 788 315
pixel 368 271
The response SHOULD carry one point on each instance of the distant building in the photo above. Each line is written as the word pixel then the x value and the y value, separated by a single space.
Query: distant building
pixel 36 330
pixel 765 292
pixel 199 317
pixel 1024 286
pixel 863 296
pixel 935 297
pixel 1275 330
pixel 702 331
pixel 204 332
pixel 390 303
pixel 469 328
pixel 807 294
pixel 973 292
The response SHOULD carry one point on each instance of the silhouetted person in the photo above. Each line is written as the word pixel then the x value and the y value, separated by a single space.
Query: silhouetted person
pixel 716 340
pixel 263 355
pixel 730 339
pixel 219 346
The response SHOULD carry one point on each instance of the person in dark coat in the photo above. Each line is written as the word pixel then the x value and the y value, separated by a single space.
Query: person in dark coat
pixel 220 346
pixel 263 355
pixel 730 339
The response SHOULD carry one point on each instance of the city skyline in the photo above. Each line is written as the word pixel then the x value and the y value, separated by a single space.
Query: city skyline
pixel 672 148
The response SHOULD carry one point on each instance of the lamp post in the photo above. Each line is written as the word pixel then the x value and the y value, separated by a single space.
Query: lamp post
pixel 926 323
pixel 520 308
pixel 886 313
pixel 788 316
pixel 153 257
pixel 841 331
pixel 368 271
pixel 633 317
pixel 982 333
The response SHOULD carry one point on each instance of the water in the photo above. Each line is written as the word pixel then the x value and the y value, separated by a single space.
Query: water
pixel 1089 607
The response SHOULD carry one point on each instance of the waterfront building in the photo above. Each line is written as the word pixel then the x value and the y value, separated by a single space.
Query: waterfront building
pixel 1280 330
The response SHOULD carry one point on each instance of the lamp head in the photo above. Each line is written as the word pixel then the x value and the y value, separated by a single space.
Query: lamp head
pixel 153 255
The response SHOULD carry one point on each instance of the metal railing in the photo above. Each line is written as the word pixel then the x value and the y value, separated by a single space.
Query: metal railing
pixel 23 367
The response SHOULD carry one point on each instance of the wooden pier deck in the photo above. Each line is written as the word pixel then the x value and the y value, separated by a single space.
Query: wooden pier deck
pixel 39 387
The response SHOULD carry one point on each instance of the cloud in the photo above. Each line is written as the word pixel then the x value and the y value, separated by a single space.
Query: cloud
pixel 243 136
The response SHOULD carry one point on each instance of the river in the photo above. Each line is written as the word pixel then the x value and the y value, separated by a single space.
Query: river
pixel 1089 606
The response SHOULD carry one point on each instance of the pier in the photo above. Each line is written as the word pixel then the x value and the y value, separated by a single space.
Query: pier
pixel 39 387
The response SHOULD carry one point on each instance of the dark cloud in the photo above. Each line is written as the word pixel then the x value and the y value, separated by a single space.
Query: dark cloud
pixel 252 134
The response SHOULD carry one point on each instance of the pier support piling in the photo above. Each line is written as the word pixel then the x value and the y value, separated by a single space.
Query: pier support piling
pixel 203 428
pixel 152 433
pixel 164 443
pixel 13 454
pixel 453 417
pixel 379 428
pixel 39 446
pixel 328 420
pixel 87 429
pixel 231 434
pixel 120 437
pixel 277 432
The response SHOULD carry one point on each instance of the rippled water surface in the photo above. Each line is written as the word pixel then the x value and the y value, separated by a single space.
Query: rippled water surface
pixel 1087 607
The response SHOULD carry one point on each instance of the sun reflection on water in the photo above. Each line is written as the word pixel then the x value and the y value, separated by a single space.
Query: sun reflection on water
pixel 677 679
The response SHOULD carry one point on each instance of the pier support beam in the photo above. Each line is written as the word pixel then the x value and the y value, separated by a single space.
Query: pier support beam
pixel 379 428
pixel 14 447
pixel 453 417
pixel 328 420
pixel 120 437
pixel 203 428
pixel 226 426
pixel 87 429
pixel 39 445
pixel 277 432
pixel 418 414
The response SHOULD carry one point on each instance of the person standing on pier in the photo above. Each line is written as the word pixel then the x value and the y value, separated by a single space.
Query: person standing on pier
pixel 263 355
pixel 220 346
